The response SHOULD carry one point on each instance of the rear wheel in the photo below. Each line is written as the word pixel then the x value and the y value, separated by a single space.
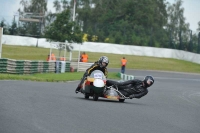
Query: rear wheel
pixel 95 97
pixel 121 100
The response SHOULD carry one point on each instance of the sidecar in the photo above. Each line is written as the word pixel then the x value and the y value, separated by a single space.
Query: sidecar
pixel 114 94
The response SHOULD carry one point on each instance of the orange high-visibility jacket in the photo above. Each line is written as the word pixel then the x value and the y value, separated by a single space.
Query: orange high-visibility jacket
pixel 48 58
pixel 62 59
pixel 53 57
pixel 123 62
pixel 84 58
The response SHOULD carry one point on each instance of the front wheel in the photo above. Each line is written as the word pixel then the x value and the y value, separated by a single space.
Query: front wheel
pixel 95 97
pixel 121 100
pixel 87 96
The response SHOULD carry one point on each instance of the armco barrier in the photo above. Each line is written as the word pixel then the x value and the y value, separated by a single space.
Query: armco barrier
pixel 62 66
pixel 81 66
pixel 126 77
pixel 30 67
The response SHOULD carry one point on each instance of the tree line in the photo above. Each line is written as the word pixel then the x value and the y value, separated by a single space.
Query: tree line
pixel 154 23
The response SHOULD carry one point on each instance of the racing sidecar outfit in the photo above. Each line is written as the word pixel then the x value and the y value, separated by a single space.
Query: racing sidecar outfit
pixel 131 88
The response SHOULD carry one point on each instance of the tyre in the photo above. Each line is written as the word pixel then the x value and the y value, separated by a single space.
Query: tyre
pixel 95 97
pixel 121 100
pixel 87 96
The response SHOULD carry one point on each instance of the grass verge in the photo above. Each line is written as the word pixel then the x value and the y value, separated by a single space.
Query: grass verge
pixel 134 62
pixel 50 77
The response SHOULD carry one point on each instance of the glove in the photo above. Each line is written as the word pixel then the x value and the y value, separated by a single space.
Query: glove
pixel 132 96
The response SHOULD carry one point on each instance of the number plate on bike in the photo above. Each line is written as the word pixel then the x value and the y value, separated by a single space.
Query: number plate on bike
pixel 98 76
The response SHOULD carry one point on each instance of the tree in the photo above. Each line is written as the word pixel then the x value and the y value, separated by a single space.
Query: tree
pixel 38 9
pixel 13 28
pixel 25 5
pixel 61 5
pixel 61 29
pixel 57 5
pixel 198 26
pixel 176 25
pixel 49 18
pixel 127 19
pixel 35 6
pixel 65 4
pixel 5 26
pixel 38 6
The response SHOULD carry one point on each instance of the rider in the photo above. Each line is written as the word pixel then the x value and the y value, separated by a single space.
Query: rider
pixel 101 65
pixel 133 88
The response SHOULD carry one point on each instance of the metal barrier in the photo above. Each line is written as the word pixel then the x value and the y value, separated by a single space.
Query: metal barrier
pixel 30 67
pixel 126 77
pixel 80 66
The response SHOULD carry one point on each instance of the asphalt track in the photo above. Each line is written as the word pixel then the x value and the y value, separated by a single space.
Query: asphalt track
pixel 171 106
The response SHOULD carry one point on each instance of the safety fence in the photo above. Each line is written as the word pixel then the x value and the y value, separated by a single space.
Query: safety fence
pixel 30 67
pixel 125 77
pixel 80 66
pixel 62 67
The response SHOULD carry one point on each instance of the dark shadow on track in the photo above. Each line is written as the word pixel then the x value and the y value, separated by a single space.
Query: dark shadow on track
pixel 110 101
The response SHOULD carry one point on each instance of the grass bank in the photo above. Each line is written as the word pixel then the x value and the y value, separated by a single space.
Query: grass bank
pixel 50 77
pixel 134 62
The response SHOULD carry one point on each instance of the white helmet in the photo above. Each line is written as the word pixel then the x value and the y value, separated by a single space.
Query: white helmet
pixel 103 59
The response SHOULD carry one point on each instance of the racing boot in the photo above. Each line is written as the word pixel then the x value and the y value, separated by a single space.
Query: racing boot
pixel 77 89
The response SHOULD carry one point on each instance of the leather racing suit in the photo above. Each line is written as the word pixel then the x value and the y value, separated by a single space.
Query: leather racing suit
pixel 132 88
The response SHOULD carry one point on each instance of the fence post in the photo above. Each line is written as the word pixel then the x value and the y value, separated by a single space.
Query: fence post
pixel 180 40
pixel 1 34
pixel 126 77
pixel 198 50
pixel 191 43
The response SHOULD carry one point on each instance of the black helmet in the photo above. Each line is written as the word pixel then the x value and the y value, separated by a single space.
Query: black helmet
pixel 148 79
pixel 103 59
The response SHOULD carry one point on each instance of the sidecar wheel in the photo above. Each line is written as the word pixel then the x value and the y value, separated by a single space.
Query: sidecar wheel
pixel 87 96
pixel 95 97
pixel 121 100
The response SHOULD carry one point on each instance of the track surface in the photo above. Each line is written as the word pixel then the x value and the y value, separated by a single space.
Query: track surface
pixel 171 106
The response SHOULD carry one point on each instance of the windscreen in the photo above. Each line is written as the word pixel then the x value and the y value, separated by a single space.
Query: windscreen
pixel 98 75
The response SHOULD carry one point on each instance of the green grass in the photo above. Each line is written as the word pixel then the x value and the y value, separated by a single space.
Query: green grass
pixel 134 62
pixel 50 77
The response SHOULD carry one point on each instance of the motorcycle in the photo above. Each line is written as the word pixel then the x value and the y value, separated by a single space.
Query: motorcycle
pixel 95 86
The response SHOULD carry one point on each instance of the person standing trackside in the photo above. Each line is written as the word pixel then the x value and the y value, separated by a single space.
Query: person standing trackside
pixel 123 64
pixel 53 57
pixel 84 57
pixel 62 58
pixel 48 57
